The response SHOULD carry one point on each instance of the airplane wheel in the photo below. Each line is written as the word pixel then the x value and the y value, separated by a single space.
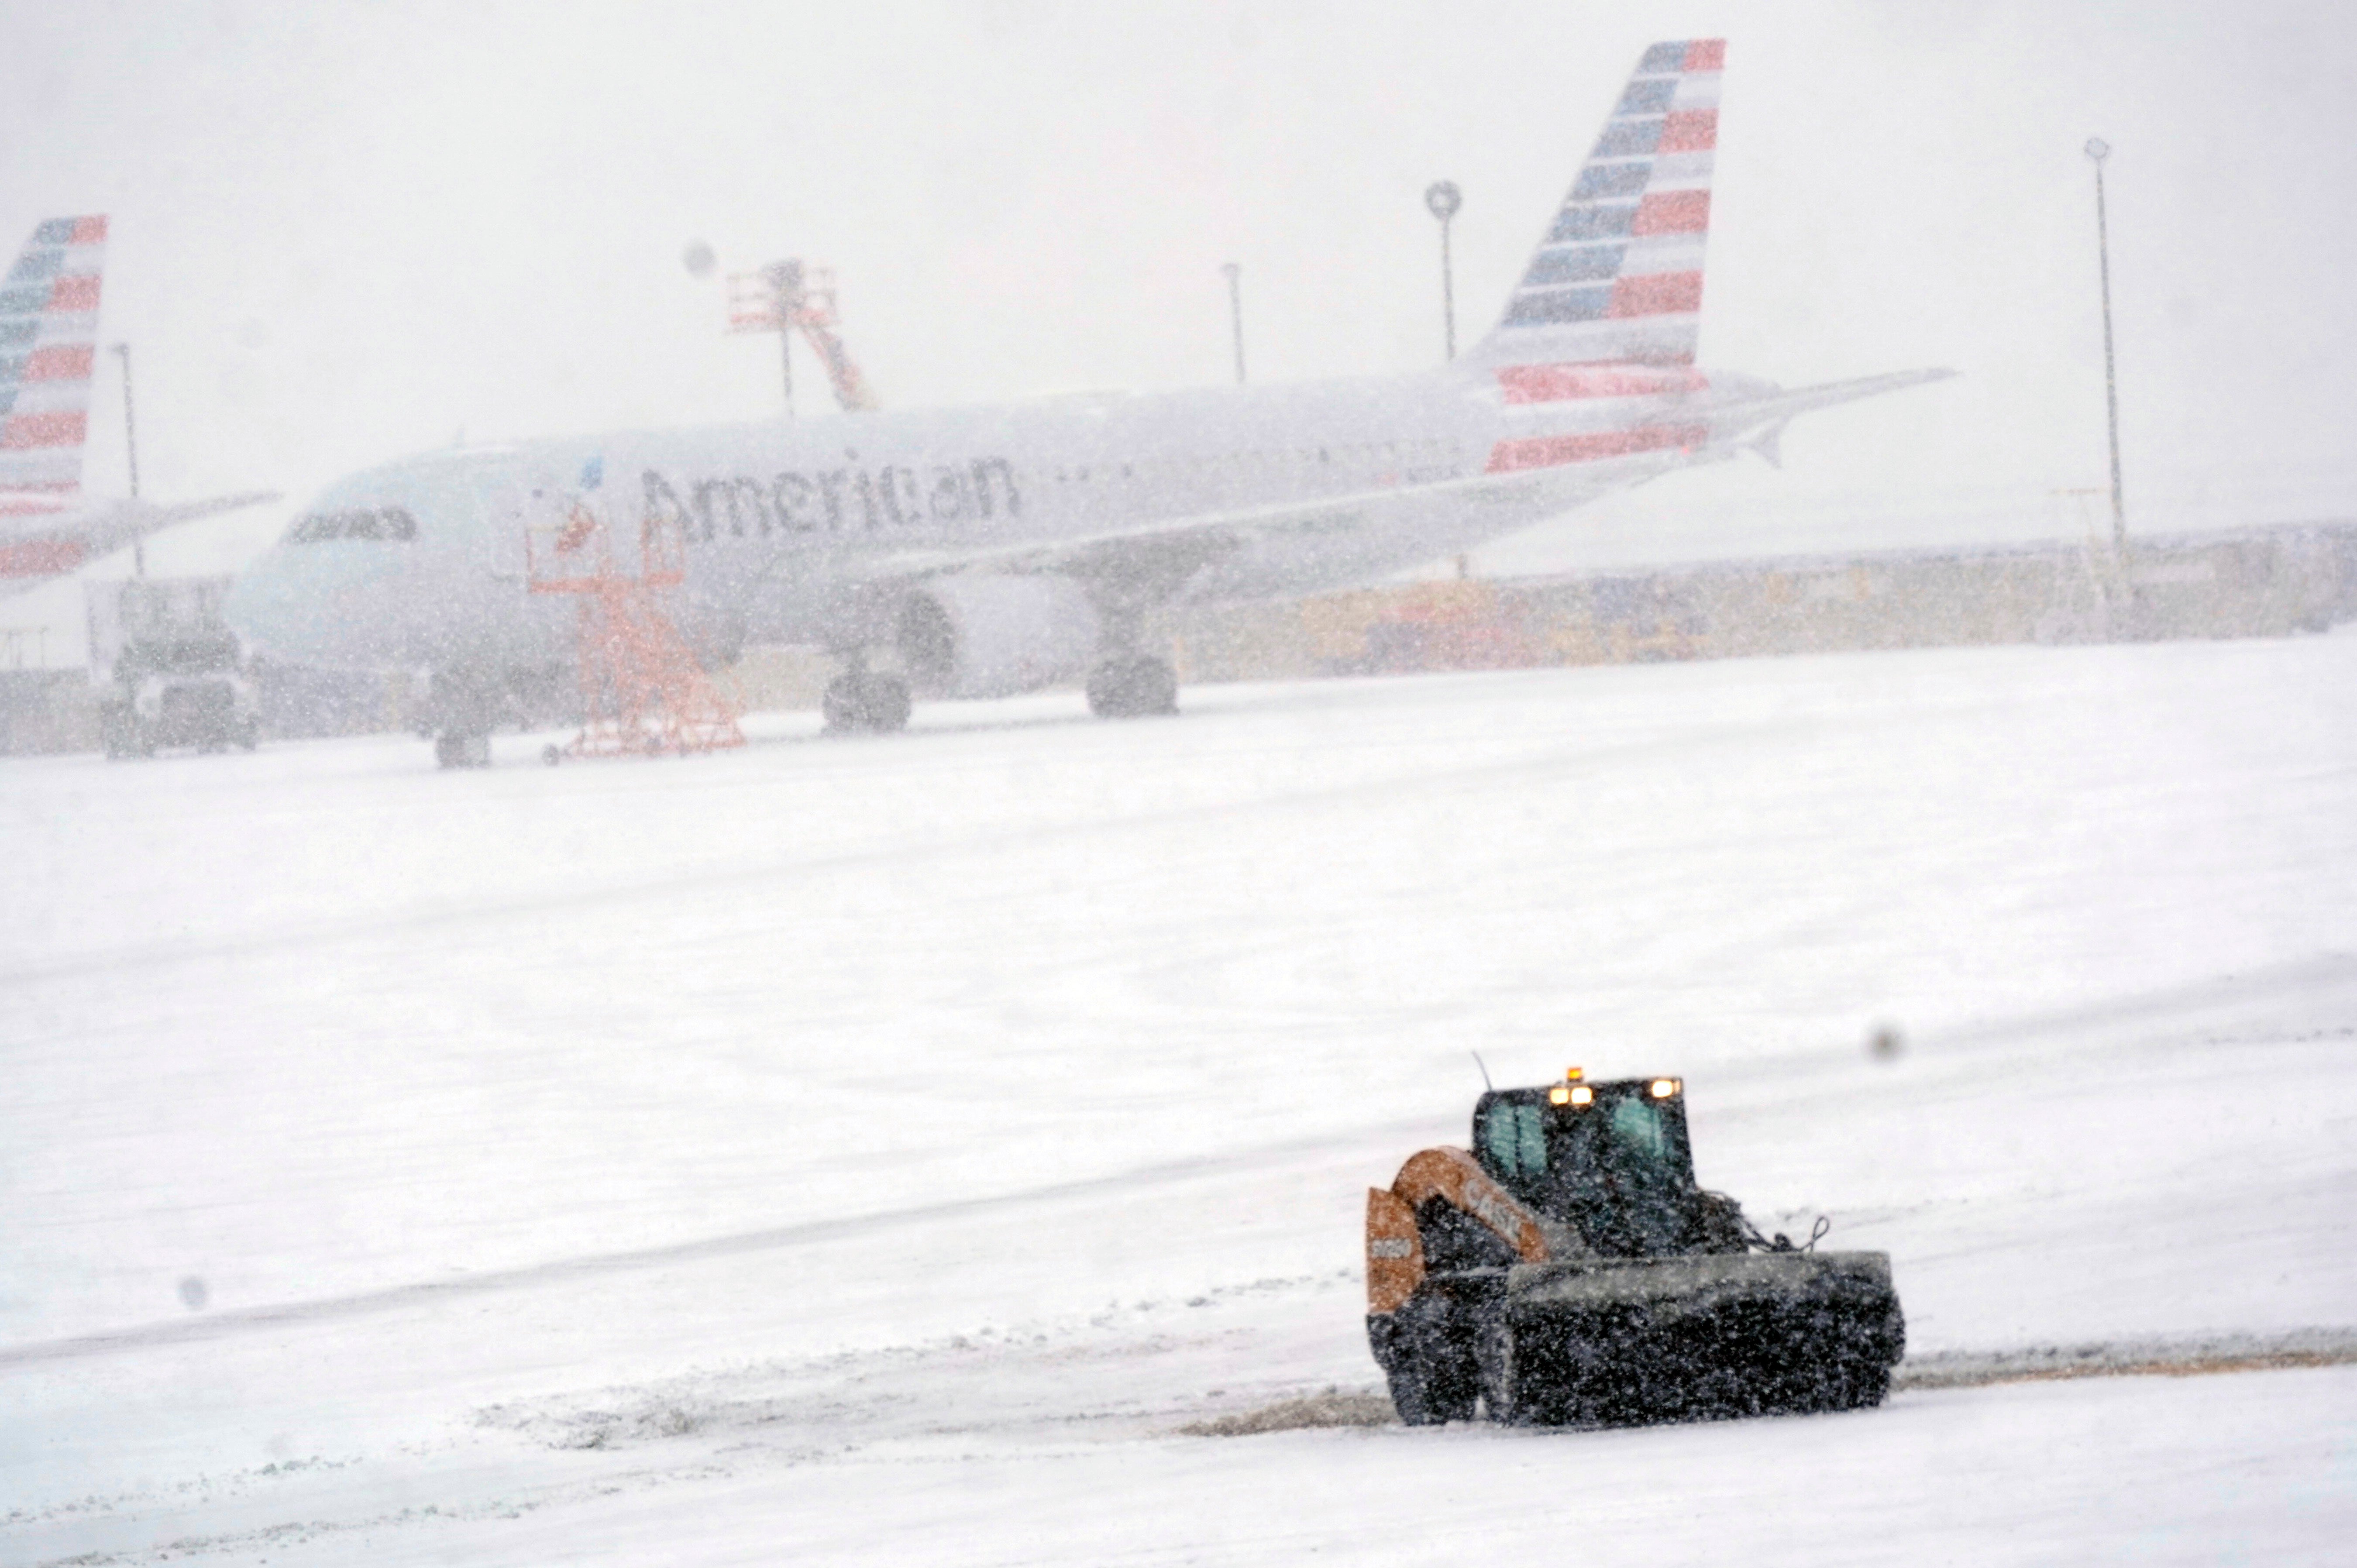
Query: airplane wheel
pixel 874 703
pixel 840 705
pixel 1133 688
pixel 888 704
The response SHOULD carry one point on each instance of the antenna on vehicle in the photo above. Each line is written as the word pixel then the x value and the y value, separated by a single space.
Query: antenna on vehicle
pixel 1485 1071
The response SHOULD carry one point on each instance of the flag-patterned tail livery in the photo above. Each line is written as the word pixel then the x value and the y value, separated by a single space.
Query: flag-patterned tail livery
pixel 1617 278
pixel 49 338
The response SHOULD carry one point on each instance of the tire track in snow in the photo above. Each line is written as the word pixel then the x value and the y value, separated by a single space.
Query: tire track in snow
pixel 236 1321
pixel 2300 1349
pixel 1747 1100
pixel 2204 1357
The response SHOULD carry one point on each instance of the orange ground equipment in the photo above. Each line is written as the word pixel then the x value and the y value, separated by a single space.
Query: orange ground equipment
pixel 642 693
pixel 1567 1269
pixel 786 295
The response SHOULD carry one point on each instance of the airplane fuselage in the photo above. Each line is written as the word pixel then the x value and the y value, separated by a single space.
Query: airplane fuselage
pixel 784 521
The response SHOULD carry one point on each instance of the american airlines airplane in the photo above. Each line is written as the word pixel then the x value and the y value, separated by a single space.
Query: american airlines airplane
pixel 982 552
pixel 49 343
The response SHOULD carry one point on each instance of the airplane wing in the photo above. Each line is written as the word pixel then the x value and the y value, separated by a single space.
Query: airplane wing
pixel 153 518
pixel 41 549
pixel 1307 546
pixel 1297 546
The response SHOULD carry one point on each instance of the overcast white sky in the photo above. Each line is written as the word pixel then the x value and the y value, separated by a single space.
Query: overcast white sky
pixel 344 231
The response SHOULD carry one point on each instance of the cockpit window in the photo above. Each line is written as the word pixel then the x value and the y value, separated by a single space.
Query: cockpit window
pixel 375 522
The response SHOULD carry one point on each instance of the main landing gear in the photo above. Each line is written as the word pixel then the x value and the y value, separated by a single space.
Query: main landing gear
pixel 861 701
pixel 1132 686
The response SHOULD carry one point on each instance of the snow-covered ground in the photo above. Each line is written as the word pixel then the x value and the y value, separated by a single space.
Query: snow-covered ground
pixel 878 1150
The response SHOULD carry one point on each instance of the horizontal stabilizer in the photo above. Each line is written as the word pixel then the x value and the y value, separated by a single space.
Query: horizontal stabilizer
pixel 1770 413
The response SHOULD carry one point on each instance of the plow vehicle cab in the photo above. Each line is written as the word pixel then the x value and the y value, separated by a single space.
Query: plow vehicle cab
pixel 1569 1269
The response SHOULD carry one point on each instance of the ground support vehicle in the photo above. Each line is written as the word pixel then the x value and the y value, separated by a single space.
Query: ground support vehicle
pixel 1567 1269
pixel 188 692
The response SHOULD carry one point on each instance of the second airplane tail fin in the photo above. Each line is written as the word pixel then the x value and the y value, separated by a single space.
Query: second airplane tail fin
pixel 48 340
pixel 1617 277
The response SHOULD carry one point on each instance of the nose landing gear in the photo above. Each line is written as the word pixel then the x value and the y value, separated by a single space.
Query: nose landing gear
pixel 456 750
pixel 464 703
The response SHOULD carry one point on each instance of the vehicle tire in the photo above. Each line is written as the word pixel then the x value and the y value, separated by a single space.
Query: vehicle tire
pixel 1430 1365
pixel 119 731
pixel 552 755
pixel 1430 1390
pixel 1412 1394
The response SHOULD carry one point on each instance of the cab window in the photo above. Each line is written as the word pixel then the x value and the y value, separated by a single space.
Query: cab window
pixel 1637 1128
pixel 1514 1139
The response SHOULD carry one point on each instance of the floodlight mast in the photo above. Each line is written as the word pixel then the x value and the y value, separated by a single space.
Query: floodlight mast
pixel 788 297
pixel 785 280
pixel 1236 313
pixel 2098 150
pixel 130 455
pixel 1442 199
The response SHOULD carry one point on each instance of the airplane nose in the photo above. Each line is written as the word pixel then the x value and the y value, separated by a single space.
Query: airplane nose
pixel 260 604
pixel 307 603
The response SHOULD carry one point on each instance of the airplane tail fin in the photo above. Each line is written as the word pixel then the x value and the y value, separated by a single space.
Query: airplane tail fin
pixel 1617 276
pixel 49 340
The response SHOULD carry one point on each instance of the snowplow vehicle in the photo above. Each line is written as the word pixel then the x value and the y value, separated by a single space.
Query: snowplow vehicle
pixel 1569 1270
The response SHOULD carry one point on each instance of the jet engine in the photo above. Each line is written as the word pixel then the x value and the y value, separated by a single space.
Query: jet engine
pixel 991 637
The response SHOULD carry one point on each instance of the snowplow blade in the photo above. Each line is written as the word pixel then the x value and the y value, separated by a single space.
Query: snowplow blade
pixel 1598 1341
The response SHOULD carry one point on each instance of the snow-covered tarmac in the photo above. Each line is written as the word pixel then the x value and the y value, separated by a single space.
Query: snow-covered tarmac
pixel 877 1149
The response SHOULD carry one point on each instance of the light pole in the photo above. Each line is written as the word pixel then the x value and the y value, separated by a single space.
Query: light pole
pixel 1442 199
pixel 130 455
pixel 759 301
pixel 786 279
pixel 2099 149
pixel 1236 313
